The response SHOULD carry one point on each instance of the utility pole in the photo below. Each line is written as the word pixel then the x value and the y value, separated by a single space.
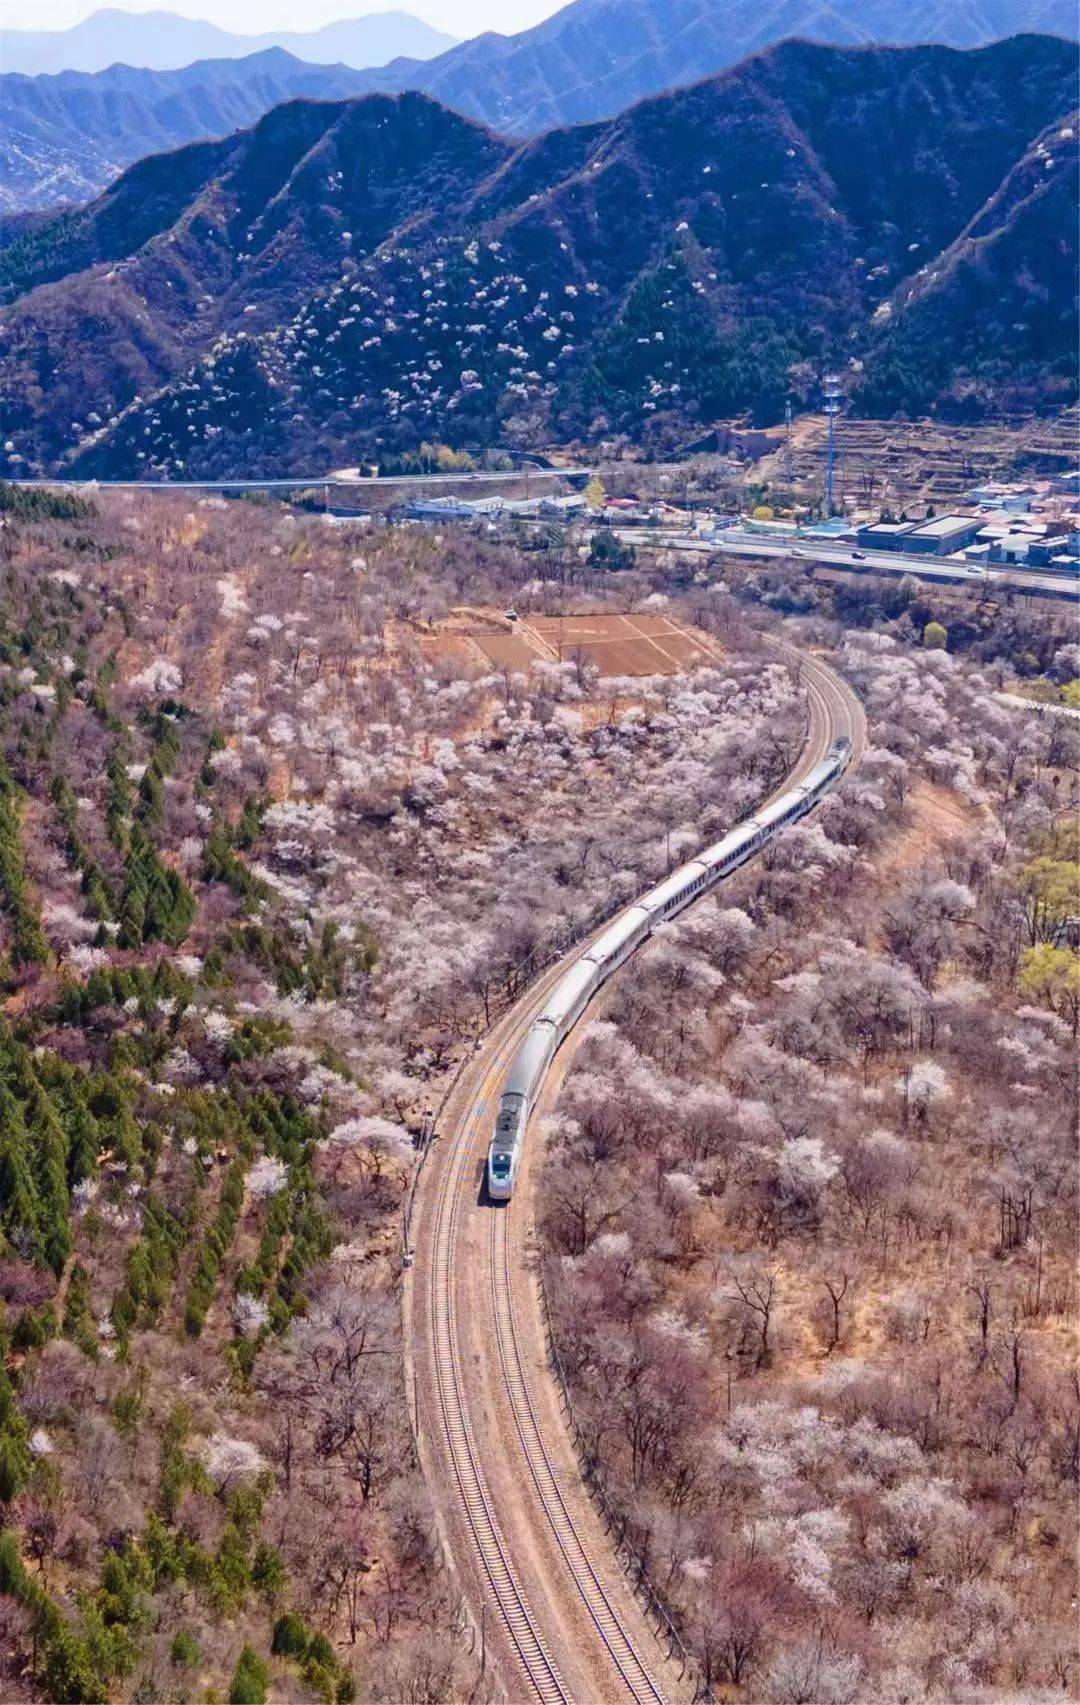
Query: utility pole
pixel 787 442
pixel 830 390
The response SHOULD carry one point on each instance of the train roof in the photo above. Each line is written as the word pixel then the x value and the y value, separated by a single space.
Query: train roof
pixel 530 1060
pixel 617 934
pixel 568 989
pixel 821 772
pixel 721 850
pixel 672 885
pixel 778 808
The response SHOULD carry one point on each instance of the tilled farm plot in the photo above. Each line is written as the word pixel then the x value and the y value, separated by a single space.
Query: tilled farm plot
pixel 644 644
pixel 508 650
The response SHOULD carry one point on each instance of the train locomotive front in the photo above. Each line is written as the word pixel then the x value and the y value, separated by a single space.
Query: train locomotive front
pixel 524 1082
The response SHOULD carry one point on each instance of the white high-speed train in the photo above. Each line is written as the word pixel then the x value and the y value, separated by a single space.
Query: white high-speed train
pixel 572 994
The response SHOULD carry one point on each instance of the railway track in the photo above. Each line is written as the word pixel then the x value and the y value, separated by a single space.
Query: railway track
pixel 632 1670
pixel 514 1513
pixel 536 1661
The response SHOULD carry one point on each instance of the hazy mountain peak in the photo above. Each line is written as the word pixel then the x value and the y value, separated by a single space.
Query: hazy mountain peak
pixel 63 137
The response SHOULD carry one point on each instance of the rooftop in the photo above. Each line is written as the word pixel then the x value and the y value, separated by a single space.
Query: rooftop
pixel 943 525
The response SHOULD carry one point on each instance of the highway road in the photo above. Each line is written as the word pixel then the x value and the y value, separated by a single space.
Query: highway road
pixel 938 569
pixel 733 543
pixel 558 1617
pixel 343 477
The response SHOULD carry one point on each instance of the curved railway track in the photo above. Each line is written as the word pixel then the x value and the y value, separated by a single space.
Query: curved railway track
pixel 491 1546
pixel 629 1664
pixel 513 1511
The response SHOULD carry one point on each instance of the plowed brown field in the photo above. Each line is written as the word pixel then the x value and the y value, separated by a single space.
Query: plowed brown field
pixel 646 644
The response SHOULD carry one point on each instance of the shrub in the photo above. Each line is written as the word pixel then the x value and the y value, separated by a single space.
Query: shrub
pixel 157 904
pixel 185 1648
pixel 29 945
pixel 34 1328
pixel 32 505
pixel 292 1636
pixel 321 1651
pixel 214 1250
pixel 251 1678
pixel 16 1465
pixel 268 1572
pixel 67 1671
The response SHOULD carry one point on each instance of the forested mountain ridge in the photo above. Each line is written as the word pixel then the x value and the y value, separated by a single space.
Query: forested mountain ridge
pixel 1005 289
pixel 63 138
pixel 363 274
pixel 595 57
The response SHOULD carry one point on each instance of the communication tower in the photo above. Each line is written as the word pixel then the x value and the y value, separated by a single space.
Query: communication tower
pixel 830 391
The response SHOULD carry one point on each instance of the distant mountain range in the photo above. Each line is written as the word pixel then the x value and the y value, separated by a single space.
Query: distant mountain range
pixel 64 138
pixel 163 41
pixel 596 57
pixel 349 278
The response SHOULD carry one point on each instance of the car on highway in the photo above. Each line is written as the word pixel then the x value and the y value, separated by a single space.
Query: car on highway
pixel 858 556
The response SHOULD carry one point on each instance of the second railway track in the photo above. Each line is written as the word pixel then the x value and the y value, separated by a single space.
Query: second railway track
pixel 535 1659
pixel 637 1679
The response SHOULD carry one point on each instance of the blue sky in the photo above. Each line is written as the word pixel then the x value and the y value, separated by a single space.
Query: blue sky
pixel 459 17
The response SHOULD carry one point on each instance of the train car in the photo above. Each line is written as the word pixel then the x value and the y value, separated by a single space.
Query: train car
pixel 787 809
pixel 574 991
pixel 570 998
pixel 726 855
pixel 524 1082
pixel 619 939
pixel 675 892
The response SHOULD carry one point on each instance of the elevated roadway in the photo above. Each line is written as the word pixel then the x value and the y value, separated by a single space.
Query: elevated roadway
pixel 1029 581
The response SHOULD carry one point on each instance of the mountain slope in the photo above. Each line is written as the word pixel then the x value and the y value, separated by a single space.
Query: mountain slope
pixel 596 57
pixel 991 305
pixel 163 41
pixel 368 273
pixel 62 139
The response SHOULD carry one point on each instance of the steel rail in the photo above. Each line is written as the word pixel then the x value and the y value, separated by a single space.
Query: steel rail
pixel 639 1682
pixel 832 709
pixel 520 1625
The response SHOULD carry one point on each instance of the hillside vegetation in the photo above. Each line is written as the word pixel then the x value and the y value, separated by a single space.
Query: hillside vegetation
pixel 810 1211
pixel 276 843
pixel 63 138
pixel 355 278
